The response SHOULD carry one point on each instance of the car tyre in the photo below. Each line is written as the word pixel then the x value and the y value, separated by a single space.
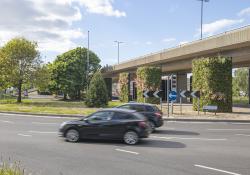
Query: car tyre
pixel 152 126
pixel 131 138
pixel 72 135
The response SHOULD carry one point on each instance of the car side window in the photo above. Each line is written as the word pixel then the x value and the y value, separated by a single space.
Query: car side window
pixel 125 107
pixel 138 108
pixel 100 116
pixel 123 116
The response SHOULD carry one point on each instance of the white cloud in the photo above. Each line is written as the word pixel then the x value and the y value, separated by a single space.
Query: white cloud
pixel 168 40
pixel 244 12
pixel 183 42
pixel 50 23
pixel 216 26
pixel 149 43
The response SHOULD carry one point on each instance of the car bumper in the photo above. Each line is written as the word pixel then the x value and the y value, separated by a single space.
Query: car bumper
pixel 159 123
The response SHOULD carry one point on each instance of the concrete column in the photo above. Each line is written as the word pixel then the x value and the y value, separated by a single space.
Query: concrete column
pixel 181 84
pixel 249 85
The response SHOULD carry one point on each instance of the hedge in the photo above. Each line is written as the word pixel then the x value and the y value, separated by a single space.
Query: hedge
pixel 123 90
pixel 213 77
pixel 148 78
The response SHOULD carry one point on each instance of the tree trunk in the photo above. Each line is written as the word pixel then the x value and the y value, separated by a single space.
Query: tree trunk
pixel 19 96
pixel 64 96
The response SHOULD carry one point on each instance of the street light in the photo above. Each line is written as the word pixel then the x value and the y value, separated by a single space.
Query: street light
pixel 202 2
pixel 87 67
pixel 118 47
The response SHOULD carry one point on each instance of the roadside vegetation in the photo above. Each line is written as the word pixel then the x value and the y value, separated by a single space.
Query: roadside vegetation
pixel 49 106
pixel 11 169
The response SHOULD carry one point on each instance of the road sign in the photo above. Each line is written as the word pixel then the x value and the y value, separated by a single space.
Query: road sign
pixel 172 96
pixel 185 94
pixel 145 94
pixel 156 94
pixel 195 94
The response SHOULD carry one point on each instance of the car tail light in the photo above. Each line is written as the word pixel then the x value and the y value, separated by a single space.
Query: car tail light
pixel 158 115
pixel 143 124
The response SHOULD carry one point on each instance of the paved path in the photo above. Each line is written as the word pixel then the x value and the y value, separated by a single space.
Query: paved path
pixel 178 148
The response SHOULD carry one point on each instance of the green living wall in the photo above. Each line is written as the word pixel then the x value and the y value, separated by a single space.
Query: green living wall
pixel 148 78
pixel 123 90
pixel 213 77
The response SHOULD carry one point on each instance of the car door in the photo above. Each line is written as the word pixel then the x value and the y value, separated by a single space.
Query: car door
pixel 97 125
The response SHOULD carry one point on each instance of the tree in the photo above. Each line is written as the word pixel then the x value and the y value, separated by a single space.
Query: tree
pixel 69 71
pixel 97 95
pixel 240 81
pixel 42 78
pixel 21 59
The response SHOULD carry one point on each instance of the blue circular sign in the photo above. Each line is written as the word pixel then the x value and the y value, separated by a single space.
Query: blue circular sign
pixel 172 96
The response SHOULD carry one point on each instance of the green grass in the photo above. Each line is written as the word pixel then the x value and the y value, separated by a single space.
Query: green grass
pixel 15 169
pixel 49 106
pixel 241 100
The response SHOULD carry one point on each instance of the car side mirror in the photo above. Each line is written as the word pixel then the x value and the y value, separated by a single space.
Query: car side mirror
pixel 86 120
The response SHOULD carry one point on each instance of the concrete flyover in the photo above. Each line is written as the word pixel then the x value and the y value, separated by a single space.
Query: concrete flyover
pixel 235 44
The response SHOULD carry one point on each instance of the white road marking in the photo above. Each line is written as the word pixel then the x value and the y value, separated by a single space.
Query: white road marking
pixel 215 169
pixel 229 129
pixel 131 152
pixel 39 116
pixel 243 135
pixel 189 138
pixel 41 123
pixel 5 121
pixel 24 135
pixel 43 132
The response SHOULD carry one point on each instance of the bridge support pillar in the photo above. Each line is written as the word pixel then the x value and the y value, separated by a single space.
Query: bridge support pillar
pixel 181 85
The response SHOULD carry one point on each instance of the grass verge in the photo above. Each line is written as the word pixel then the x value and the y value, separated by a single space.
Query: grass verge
pixel 49 106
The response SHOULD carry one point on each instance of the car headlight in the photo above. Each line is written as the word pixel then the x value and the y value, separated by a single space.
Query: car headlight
pixel 62 125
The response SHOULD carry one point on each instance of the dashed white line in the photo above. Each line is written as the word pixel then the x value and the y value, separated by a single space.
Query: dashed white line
pixel 131 152
pixel 243 135
pixel 24 135
pixel 6 121
pixel 43 132
pixel 187 122
pixel 215 169
pixel 189 138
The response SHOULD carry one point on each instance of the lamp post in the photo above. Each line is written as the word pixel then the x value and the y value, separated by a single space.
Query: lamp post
pixel 202 3
pixel 118 47
pixel 87 66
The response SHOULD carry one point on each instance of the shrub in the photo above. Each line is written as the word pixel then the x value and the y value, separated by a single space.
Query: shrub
pixel 213 77
pixel 97 94
pixel 148 78
pixel 123 90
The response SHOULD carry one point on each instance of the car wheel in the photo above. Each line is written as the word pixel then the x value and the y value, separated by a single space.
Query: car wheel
pixel 152 126
pixel 131 138
pixel 72 135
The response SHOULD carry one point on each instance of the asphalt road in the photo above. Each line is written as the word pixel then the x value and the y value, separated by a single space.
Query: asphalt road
pixel 178 148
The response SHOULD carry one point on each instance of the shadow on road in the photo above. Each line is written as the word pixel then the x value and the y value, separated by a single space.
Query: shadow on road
pixel 148 143
pixel 144 143
pixel 174 132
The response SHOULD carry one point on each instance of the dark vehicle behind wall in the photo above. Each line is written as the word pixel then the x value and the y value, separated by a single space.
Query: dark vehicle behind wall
pixel 150 111
pixel 114 124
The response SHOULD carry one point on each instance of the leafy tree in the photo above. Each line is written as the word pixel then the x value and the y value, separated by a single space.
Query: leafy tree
pixel 240 81
pixel 97 95
pixel 69 72
pixel 19 60
pixel 42 78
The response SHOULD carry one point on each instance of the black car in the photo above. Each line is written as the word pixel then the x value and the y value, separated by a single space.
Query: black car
pixel 115 124
pixel 150 111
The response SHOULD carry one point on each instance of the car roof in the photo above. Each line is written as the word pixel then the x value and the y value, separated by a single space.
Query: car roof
pixel 136 103
pixel 118 110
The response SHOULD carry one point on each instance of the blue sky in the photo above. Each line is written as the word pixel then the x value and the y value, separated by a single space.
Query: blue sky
pixel 145 26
